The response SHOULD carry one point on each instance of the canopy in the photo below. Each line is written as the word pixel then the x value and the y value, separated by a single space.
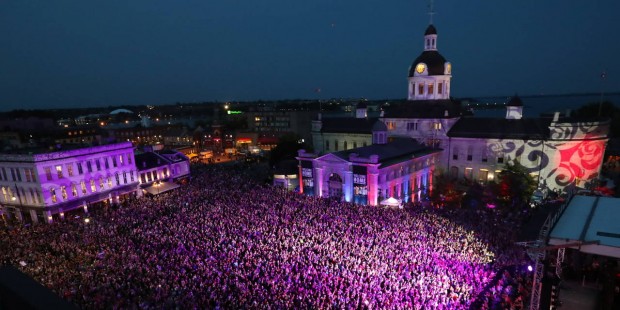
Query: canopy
pixel 392 202
pixel 162 187
pixel 589 219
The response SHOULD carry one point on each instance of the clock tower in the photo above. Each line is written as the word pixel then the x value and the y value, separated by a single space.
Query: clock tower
pixel 430 73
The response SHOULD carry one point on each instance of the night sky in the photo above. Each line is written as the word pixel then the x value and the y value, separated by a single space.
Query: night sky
pixel 64 54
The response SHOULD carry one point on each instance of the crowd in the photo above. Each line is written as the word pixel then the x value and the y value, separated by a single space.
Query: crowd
pixel 226 241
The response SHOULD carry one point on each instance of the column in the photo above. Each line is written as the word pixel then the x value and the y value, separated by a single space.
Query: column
pixel 318 185
pixel 19 215
pixel 47 215
pixel 348 186
pixel 373 187
pixel 33 216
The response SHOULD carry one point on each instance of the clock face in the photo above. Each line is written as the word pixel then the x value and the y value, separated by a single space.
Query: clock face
pixel 449 69
pixel 420 68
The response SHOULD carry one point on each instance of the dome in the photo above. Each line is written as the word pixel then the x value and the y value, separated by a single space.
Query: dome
pixel 433 60
pixel 430 30
pixel 515 101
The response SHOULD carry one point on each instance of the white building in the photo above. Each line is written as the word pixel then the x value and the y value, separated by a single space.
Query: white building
pixel 41 186
pixel 556 150
pixel 162 171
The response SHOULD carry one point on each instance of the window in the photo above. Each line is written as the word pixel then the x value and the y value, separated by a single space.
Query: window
pixel 131 176
pixel 469 153
pixel 354 144
pixel 440 88
pixel 32 196
pixel 106 163
pixel 83 185
pixel 468 173
pixel 412 126
pixel 109 182
pixel 74 190
pixel 29 175
pixel 120 159
pixel 143 178
pixel 430 89
pixel 336 145
pixel 63 192
pixel 14 178
pixel 18 175
pixel 364 143
pixel 114 161
pixel 390 125
pixel 437 125
pixel 125 177
pixel 93 188
pixel 345 145
pixel 118 180
pixel 129 159
pixel 454 172
pixel 48 173
pixel 70 170
pixel 485 158
pixel 483 175
pixel 500 158
pixel 421 89
pixel 89 166
pixel 455 153
pixel 53 195
pixel 4 174
pixel 59 171
pixel 80 170
pixel 98 163
pixel 5 194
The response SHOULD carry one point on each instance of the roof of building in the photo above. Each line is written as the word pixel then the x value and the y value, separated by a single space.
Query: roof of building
pixel 20 291
pixel 500 128
pixel 348 125
pixel 150 160
pixel 430 30
pixel 362 104
pixel 396 151
pixel 433 60
pixel 379 126
pixel 426 109
pixel 589 218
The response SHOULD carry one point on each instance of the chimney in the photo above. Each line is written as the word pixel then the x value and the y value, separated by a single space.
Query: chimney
pixel 556 116
pixel 445 113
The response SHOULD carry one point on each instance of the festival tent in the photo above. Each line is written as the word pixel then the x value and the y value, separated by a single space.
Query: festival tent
pixel 590 224
pixel 391 202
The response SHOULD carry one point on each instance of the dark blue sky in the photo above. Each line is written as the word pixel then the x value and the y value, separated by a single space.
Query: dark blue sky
pixel 80 53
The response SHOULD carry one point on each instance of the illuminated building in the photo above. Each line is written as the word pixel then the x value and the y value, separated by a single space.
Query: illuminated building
pixel 558 151
pixel 41 186
pixel 400 168
pixel 162 171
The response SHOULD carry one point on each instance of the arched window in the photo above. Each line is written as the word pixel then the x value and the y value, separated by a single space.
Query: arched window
pixel 345 145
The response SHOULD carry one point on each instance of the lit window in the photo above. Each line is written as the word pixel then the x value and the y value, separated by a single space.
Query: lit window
pixel 440 88
pixel 48 173
pixel 120 159
pixel 70 170
pixel 93 188
pixel 101 183
pixel 83 185
pixel 109 182
pixel 53 194
pixel 430 89
pixel 420 89
pixel 468 173
pixel 63 192
pixel 74 190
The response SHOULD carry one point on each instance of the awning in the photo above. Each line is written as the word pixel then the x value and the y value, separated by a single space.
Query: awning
pixel 161 187
pixel 392 202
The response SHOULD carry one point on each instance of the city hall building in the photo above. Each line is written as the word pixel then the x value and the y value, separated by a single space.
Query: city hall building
pixel 557 150
pixel 41 186
pixel 400 168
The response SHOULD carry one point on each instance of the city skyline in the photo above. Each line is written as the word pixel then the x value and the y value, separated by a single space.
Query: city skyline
pixel 71 54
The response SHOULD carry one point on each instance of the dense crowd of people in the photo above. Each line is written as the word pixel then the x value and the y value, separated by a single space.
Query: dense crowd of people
pixel 227 241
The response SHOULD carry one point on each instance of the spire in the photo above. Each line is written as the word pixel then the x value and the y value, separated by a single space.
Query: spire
pixel 430 12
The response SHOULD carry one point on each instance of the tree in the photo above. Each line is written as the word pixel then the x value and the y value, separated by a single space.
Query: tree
pixel 516 184
pixel 445 190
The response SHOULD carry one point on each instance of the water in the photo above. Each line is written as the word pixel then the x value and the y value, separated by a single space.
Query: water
pixel 533 106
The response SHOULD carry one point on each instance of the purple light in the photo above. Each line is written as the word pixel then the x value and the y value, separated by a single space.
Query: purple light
pixel 529 268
